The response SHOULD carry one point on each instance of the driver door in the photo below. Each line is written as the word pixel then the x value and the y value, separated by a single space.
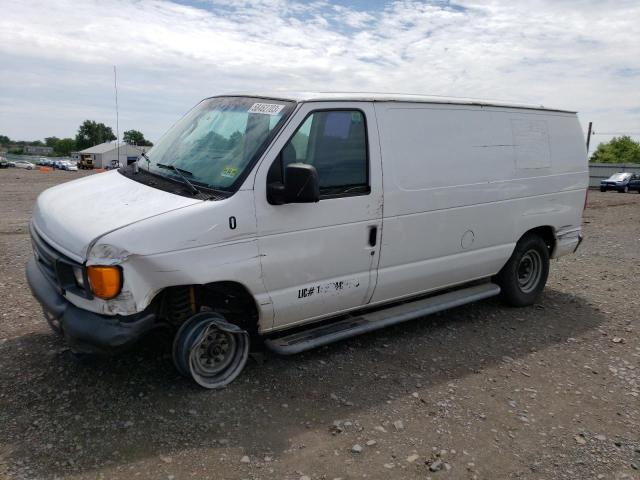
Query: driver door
pixel 320 259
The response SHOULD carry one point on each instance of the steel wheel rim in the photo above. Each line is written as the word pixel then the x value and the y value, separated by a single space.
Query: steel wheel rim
pixel 215 351
pixel 529 271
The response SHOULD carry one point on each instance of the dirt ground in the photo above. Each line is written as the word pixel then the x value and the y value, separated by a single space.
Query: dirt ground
pixel 482 391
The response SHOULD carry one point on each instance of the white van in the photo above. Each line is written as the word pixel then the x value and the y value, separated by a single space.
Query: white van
pixel 295 220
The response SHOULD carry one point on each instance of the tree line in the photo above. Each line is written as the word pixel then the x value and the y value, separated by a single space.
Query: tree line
pixel 618 150
pixel 90 133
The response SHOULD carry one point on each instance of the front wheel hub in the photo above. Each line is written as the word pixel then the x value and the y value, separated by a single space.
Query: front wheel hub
pixel 215 350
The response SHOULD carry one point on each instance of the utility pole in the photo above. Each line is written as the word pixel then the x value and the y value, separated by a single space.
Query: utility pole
pixel 589 137
pixel 115 87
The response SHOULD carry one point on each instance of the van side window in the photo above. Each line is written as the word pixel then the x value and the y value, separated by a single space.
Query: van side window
pixel 335 143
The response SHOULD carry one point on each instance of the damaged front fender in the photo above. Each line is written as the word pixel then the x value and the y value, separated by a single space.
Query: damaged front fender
pixel 105 254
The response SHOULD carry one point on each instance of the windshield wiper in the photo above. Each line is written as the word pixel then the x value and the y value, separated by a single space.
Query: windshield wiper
pixel 180 171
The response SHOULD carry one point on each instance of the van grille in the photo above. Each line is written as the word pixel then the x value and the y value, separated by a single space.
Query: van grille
pixel 58 268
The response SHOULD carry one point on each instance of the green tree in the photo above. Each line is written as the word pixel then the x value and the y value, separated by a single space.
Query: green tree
pixel 91 133
pixel 51 141
pixel 618 150
pixel 64 146
pixel 135 137
pixel 4 140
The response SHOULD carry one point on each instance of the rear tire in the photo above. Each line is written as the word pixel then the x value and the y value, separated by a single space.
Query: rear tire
pixel 524 276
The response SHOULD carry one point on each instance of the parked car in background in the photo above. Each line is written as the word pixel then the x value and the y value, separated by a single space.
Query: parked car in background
pixel 11 164
pixel 115 164
pixel 618 181
pixel 4 163
pixel 68 165
pixel 634 183
pixel 42 161
pixel 24 164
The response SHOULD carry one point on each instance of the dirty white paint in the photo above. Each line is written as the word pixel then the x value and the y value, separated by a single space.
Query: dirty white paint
pixel 453 187
pixel 531 141
pixel 74 213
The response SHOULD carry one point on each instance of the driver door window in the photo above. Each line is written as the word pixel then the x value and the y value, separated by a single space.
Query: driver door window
pixel 335 143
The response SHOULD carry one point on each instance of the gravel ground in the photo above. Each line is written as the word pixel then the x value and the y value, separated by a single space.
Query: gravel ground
pixel 482 391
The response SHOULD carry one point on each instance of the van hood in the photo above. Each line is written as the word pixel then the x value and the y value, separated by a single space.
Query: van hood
pixel 71 215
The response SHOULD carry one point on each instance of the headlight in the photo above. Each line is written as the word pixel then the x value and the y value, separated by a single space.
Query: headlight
pixel 105 281
pixel 79 276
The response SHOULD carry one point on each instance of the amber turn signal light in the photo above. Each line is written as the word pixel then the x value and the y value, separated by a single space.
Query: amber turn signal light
pixel 105 281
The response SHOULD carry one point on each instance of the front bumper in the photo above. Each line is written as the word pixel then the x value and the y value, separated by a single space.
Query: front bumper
pixel 84 331
pixel 612 186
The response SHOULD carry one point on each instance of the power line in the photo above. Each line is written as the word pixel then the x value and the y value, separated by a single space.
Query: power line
pixel 615 133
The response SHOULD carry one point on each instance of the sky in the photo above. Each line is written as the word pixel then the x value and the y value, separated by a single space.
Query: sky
pixel 57 57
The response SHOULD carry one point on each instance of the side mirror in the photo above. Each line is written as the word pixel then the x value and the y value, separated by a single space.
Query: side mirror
pixel 301 185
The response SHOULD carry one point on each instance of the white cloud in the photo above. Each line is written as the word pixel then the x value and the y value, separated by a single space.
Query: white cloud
pixel 58 56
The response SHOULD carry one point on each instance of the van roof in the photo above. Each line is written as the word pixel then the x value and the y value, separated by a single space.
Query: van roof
pixel 388 97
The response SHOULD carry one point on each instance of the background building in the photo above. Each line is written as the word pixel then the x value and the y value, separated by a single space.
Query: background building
pixel 104 154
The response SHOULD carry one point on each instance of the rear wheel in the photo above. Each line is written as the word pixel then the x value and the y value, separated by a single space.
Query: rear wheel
pixel 210 350
pixel 525 274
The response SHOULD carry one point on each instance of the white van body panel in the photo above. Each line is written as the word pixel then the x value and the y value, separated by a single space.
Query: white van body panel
pixel 463 183
pixel 71 215
pixel 315 257
pixel 192 246
pixel 453 188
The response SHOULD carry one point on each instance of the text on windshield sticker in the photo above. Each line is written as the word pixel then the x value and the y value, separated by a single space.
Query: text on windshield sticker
pixel 229 172
pixel 266 108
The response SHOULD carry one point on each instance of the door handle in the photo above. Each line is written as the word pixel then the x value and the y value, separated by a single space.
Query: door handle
pixel 373 236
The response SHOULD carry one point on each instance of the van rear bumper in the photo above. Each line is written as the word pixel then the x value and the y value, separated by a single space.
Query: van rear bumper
pixel 567 242
pixel 84 331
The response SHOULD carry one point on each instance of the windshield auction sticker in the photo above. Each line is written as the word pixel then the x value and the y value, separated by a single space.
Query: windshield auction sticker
pixel 266 108
pixel 229 172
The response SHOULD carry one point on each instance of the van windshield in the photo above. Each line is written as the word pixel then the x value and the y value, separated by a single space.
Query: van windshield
pixel 217 141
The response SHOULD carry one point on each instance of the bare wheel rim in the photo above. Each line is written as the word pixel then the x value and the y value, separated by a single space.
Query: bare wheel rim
pixel 210 350
pixel 215 351
pixel 529 271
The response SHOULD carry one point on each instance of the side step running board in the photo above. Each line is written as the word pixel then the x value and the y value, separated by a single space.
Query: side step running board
pixel 367 322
